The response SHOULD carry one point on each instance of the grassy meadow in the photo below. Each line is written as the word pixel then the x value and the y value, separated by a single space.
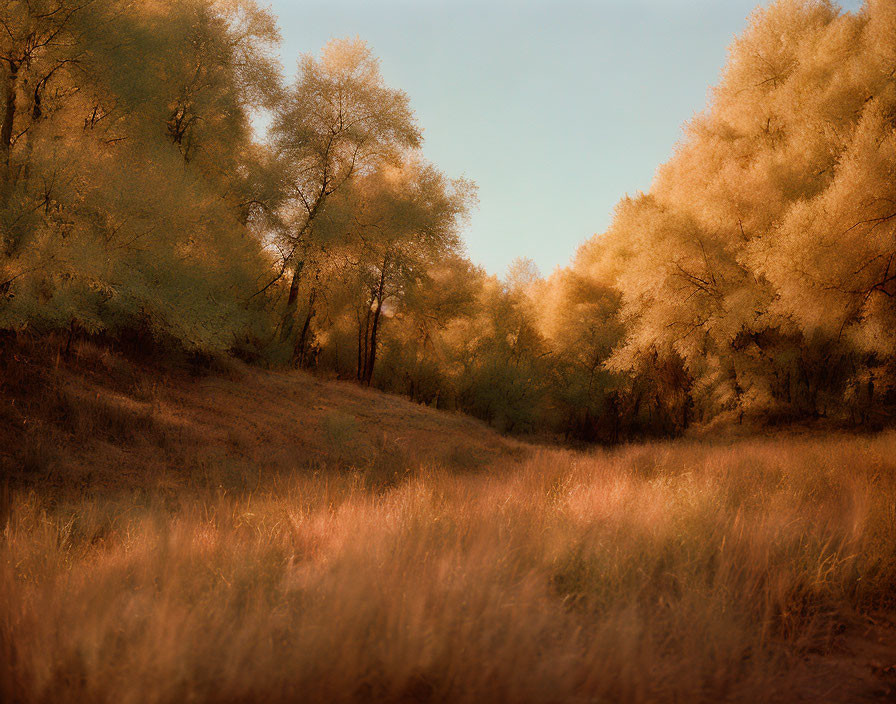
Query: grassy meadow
pixel 181 542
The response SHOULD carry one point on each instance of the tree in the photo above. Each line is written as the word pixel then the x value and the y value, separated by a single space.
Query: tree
pixel 759 258
pixel 338 121
pixel 110 223
pixel 403 220
pixel 579 318
pixel 833 257
pixel 419 349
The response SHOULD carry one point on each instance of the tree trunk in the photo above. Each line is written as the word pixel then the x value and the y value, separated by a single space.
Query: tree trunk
pixel 360 350
pixel 292 301
pixel 300 345
pixel 371 352
pixel 10 89
pixel 363 338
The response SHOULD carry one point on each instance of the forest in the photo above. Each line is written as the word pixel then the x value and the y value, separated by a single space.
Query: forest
pixel 756 278
pixel 269 433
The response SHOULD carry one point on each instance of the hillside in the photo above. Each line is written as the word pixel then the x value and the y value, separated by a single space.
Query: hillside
pixel 95 417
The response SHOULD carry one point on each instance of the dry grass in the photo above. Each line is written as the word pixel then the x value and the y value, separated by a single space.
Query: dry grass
pixel 98 420
pixel 663 573
pixel 396 571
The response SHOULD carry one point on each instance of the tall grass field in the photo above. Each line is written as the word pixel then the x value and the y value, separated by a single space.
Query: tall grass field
pixel 668 572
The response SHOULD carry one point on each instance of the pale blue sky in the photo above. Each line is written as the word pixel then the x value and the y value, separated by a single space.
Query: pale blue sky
pixel 556 109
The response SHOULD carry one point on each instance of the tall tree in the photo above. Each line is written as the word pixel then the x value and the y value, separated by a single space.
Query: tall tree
pixel 339 120
pixel 764 242
pixel 403 220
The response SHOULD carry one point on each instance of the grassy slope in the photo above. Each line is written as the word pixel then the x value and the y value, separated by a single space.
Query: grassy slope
pixel 102 421
pixel 262 536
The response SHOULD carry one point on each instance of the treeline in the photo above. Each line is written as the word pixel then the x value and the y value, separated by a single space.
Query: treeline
pixel 757 278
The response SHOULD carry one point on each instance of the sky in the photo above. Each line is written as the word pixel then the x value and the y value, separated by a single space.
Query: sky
pixel 556 109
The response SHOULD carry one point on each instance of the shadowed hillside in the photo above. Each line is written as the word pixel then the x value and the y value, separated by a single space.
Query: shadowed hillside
pixel 97 418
